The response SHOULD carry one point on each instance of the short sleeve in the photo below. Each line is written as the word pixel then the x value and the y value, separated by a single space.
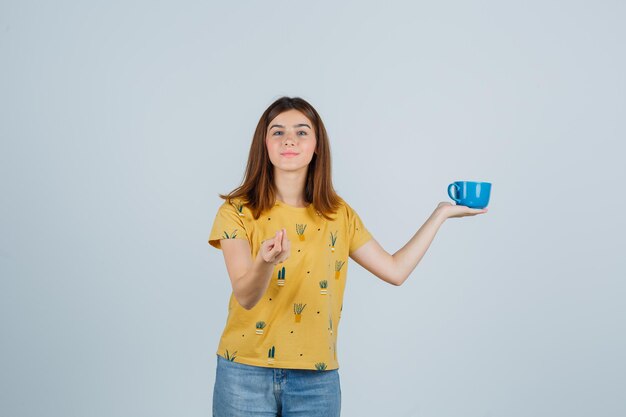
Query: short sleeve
pixel 357 232
pixel 228 224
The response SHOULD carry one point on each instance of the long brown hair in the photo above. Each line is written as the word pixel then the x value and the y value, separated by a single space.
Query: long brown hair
pixel 258 191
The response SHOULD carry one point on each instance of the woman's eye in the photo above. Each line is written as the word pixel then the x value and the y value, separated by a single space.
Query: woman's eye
pixel 278 132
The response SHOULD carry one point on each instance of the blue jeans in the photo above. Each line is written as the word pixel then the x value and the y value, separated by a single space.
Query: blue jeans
pixel 243 390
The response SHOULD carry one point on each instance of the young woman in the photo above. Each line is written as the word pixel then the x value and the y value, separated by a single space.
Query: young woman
pixel 286 237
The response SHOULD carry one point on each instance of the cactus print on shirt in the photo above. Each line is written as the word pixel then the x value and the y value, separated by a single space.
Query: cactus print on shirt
pixel 296 322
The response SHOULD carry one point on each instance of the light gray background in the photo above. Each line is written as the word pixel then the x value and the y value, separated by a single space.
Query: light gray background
pixel 121 121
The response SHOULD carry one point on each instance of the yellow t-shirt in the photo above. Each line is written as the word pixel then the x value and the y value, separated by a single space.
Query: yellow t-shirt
pixel 295 323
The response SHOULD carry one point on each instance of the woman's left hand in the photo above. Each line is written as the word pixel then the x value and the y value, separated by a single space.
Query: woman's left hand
pixel 449 210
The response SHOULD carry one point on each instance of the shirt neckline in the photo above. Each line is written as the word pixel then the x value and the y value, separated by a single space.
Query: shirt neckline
pixel 287 206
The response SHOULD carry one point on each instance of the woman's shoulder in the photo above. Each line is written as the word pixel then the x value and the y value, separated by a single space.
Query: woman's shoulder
pixel 235 204
pixel 345 210
pixel 344 206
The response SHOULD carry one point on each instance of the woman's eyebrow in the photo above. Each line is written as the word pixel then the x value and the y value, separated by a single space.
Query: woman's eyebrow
pixel 298 125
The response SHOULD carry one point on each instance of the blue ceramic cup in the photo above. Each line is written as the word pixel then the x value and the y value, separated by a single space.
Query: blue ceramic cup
pixel 470 193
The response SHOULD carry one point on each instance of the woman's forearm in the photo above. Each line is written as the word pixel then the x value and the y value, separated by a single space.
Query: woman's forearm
pixel 407 258
pixel 251 287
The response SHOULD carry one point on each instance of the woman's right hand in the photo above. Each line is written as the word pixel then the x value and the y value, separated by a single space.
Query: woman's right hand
pixel 277 249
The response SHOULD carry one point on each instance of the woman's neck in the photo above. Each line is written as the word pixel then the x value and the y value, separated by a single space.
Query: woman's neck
pixel 290 188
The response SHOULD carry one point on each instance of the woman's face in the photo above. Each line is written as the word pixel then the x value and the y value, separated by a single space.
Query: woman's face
pixel 291 132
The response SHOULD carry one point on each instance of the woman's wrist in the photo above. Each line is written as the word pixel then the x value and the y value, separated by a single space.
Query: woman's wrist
pixel 440 214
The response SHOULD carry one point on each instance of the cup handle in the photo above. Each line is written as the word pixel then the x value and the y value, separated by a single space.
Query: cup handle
pixel 456 187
